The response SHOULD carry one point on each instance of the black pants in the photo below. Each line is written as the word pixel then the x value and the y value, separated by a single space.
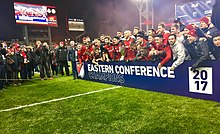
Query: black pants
pixel 54 69
pixel 2 75
pixel 24 71
pixel 74 70
pixel 44 67
pixel 64 64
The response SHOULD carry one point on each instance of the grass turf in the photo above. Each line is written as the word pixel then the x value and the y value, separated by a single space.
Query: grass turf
pixel 122 110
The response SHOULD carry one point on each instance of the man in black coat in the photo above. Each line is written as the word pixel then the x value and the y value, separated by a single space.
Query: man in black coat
pixel 199 49
pixel 62 58
pixel 42 52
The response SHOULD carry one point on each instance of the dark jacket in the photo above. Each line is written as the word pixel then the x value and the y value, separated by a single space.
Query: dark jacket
pixel 216 52
pixel 61 54
pixel 198 50
pixel 42 54
pixel 72 54
pixel 2 54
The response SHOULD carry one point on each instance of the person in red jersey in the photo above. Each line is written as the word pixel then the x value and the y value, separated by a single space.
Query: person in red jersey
pixel 81 50
pixel 106 48
pixel 127 42
pixel 162 51
pixel 131 53
pixel 117 49
pixel 161 30
pixel 144 54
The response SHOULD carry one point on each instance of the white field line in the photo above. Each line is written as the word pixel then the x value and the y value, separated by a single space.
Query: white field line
pixel 59 99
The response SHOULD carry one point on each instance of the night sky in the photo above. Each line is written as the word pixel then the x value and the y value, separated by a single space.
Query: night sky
pixel 100 16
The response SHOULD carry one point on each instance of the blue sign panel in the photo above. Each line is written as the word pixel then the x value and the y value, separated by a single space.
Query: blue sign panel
pixel 194 11
pixel 203 83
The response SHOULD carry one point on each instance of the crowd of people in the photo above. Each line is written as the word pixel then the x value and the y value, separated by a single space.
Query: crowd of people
pixel 180 43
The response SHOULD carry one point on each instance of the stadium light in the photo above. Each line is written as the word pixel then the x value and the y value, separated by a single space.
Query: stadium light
pixel 145 9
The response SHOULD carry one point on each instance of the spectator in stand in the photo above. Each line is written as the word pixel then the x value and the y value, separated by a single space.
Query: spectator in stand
pixel 62 58
pixel 162 31
pixel 180 24
pixel 162 51
pixel 198 49
pixel 216 47
pixel 42 53
pixel 126 46
pixel 116 48
pixel 178 51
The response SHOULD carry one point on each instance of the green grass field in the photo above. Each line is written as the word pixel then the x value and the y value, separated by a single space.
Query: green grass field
pixel 117 111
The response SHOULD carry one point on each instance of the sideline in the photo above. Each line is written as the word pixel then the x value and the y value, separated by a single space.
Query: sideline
pixel 59 99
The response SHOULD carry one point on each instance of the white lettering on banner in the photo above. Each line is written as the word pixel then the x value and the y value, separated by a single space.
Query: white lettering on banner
pixel 200 81
pixel 137 70
pixel 101 68
pixel 208 1
pixel 195 14
pixel 149 71
pixel 118 78
pixel 182 7
pixel 208 12
pixel 195 5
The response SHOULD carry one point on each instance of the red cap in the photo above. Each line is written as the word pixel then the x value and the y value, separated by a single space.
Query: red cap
pixel 189 27
pixel 62 43
pixel 17 45
pixel 84 38
pixel 193 33
pixel 205 19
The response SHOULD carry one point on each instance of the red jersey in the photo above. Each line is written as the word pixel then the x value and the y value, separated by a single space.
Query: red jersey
pixel 127 52
pixel 168 53
pixel 116 53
